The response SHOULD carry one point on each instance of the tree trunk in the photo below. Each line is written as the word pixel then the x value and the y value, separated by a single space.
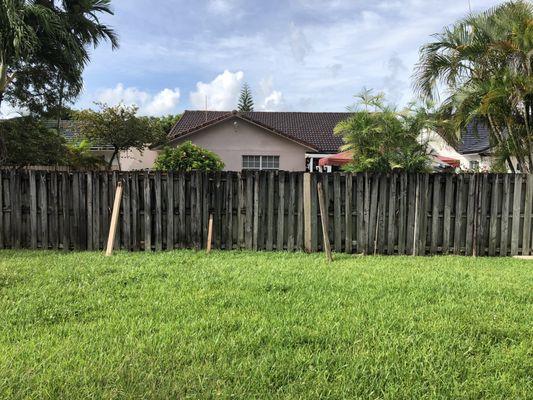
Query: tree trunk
pixel 3 150
pixel 110 164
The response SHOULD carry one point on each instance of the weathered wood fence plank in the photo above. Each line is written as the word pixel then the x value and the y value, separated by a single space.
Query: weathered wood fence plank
pixel 472 214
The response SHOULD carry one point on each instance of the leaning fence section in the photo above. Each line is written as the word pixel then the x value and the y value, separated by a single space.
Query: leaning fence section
pixel 470 214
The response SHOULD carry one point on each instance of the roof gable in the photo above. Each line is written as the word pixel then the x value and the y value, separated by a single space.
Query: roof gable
pixel 313 130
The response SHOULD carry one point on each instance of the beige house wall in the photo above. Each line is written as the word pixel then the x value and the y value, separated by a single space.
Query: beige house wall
pixel 234 138
pixel 133 159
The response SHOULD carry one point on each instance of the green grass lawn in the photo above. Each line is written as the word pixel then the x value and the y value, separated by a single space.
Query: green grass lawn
pixel 264 325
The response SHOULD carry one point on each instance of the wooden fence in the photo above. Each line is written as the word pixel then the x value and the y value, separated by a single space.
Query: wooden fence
pixel 472 214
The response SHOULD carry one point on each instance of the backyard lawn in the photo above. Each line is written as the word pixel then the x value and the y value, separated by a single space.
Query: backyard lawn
pixel 264 325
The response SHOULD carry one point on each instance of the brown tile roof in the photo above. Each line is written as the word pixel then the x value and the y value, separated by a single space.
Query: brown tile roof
pixel 312 129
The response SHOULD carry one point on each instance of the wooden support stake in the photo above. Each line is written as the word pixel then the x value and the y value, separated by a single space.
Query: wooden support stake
pixel 324 219
pixel 209 233
pixel 114 220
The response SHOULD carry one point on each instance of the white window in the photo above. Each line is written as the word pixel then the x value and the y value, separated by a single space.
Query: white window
pixel 474 165
pixel 260 162
pixel 251 162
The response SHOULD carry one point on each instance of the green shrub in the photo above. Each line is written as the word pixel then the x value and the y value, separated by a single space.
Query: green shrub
pixel 80 156
pixel 188 157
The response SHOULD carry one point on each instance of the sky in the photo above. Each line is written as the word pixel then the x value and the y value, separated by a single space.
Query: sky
pixel 297 55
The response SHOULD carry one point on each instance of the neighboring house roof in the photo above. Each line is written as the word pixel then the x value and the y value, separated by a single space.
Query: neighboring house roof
pixel 70 131
pixel 311 129
pixel 475 139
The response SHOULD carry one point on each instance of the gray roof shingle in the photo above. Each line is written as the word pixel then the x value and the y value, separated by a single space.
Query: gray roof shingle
pixel 475 139
pixel 314 129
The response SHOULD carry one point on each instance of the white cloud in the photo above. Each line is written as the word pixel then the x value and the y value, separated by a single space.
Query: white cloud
pixel 272 100
pixel 161 103
pixel 164 101
pixel 221 93
pixel 335 69
pixel 221 6
pixel 299 45
pixel 394 85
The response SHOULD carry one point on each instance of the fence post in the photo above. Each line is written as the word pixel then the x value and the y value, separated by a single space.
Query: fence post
pixel 477 205
pixel 307 212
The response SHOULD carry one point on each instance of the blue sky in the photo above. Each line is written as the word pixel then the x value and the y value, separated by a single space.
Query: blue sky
pixel 297 55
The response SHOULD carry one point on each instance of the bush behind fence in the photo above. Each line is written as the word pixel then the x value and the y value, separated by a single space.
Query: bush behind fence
pixel 471 214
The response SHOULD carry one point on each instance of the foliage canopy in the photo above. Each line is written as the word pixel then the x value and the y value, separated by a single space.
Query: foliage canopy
pixel 119 127
pixel 382 139
pixel 26 141
pixel 44 47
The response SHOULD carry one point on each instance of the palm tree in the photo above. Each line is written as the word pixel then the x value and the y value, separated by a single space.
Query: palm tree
pixel 44 44
pixel 18 37
pixel 483 64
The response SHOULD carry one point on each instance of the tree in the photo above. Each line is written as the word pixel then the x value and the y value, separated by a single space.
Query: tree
pixel 25 141
pixel 164 125
pixel 246 101
pixel 484 63
pixel 167 122
pixel 118 127
pixel 188 157
pixel 382 139
pixel 44 49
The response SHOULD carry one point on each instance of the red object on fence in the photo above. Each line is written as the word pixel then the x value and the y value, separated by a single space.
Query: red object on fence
pixel 336 160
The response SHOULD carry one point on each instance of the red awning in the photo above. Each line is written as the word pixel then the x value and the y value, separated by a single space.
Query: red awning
pixel 336 160
pixel 450 161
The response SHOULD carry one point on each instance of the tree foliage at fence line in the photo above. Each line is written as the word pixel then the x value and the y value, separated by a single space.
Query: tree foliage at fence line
pixel 118 127
pixel 188 157
pixel 383 139
pixel 26 141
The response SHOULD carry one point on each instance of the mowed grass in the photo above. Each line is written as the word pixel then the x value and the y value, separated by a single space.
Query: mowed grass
pixel 264 325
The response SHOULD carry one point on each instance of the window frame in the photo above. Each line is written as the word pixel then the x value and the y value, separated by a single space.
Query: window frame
pixel 266 162
pixel 474 165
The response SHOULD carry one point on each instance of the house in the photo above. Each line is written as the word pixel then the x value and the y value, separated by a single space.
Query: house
pixel 290 141
pixel 296 141
pixel 473 152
